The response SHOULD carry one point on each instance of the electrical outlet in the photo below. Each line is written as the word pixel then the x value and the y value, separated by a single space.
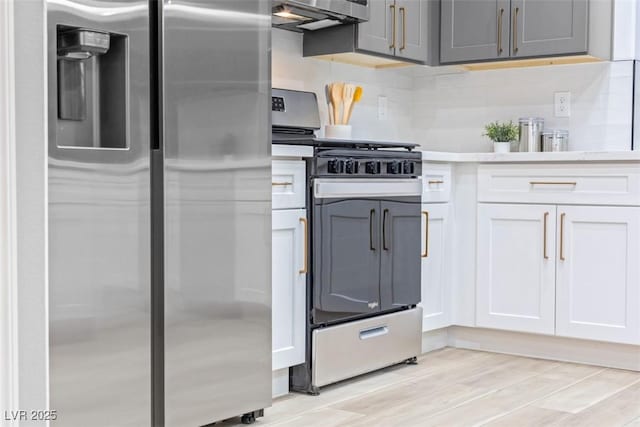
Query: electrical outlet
pixel 562 104
pixel 383 107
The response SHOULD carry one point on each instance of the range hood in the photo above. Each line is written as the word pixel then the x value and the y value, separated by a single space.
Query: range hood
pixel 310 15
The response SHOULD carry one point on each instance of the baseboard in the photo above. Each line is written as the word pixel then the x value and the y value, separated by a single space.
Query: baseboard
pixel 435 340
pixel 598 353
pixel 280 383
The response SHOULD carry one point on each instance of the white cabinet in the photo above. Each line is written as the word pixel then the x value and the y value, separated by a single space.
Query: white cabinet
pixel 436 266
pixel 598 279
pixel 289 265
pixel 515 287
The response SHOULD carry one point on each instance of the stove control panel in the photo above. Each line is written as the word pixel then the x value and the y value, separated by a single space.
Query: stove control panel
pixel 367 167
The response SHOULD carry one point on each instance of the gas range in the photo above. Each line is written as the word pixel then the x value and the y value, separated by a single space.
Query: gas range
pixel 363 213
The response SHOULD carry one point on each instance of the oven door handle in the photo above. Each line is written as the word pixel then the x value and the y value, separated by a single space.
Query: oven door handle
pixel 352 188
pixel 384 229
pixel 372 212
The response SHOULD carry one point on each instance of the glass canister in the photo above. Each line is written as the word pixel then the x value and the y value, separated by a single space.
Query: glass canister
pixel 555 140
pixel 531 129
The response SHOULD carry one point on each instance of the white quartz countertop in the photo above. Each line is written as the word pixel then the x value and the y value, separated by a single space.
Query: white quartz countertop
pixel 565 156
pixel 279 150
pixel 301 151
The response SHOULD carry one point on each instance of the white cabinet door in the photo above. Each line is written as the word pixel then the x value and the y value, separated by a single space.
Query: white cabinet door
pixel 288 287
pixel 515 289
pixel 598 282
pixel 436 266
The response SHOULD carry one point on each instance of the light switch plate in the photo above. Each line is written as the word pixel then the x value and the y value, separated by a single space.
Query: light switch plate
pixel 562 104
pixel 383 107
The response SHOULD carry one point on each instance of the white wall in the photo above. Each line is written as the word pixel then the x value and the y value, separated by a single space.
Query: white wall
pixel 450 110
pixel 31 203
pixel 292 71
pixel 446 108
pixel 8 354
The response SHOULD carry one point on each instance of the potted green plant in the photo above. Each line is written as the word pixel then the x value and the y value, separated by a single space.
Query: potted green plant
pixel 502 135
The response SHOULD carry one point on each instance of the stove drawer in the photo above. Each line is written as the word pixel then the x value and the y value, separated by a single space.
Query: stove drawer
pixel 354 348
pixel 288 184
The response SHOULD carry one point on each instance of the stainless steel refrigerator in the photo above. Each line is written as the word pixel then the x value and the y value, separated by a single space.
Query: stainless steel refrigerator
pixel 159 211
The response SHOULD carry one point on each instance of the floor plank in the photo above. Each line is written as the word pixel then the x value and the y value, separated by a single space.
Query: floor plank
pixel 619 409
pixel 590 391
pixel 503 400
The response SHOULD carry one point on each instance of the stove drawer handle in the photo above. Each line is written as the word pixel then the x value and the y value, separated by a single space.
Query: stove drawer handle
pixel 371 214
pixel 373 332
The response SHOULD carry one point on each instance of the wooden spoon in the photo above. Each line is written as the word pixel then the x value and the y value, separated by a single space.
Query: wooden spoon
pixel 336 99
pixel 327 94
pixel 347 95
pixel 357 96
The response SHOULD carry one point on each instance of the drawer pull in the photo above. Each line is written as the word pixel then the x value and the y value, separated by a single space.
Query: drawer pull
pixel 426 234
pixel 553 183
pixel 305 268
pixel 544 239
pixel 562 216
pixel 281 184
pixel 373 332
pixel 435 182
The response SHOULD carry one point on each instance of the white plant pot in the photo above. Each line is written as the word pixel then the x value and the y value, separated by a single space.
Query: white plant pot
pixel 501 147
pixel 337 131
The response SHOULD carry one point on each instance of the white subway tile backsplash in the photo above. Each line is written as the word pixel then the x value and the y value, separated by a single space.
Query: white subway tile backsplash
pixel 446 108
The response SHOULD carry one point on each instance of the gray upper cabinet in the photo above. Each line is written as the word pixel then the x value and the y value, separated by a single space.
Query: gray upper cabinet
pixel 400 28
pixel 411 29
pixel 474 30
pixel 376 35
pixel 479 30
pixel 548 27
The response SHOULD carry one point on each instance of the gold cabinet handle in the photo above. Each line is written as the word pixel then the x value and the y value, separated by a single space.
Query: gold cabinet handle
pixel 435 182
pixel 393 27
pixel 553 183
pixel 305 268
pixel 403 13
pixel 544 239
pixel 515 30
pixel 426 234
pixel 562 258
pixel 281 184
pixel 500 30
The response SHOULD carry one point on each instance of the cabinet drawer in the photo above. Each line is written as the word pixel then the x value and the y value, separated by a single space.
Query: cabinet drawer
pixel 436 182
pixel 288 184
pixel 595 184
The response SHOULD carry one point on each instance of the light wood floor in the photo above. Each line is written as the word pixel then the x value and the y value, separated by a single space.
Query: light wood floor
pixel 453 387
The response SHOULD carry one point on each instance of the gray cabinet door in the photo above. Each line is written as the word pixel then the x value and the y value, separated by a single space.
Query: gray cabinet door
pixel 346 264
pixel 411 29
pixel 400 255
pixel 474 30
pixel 548 27
pixel 376 35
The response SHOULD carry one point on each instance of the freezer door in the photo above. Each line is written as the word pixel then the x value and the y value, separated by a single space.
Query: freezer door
pixel 99 215
pixel 218 209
